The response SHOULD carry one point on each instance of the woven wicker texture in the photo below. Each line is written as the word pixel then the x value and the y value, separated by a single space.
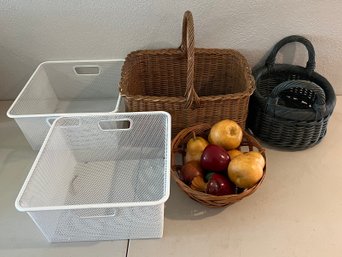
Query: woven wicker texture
pixel 291 105
pixel 297 100
pixel 178 147
pixel 194 85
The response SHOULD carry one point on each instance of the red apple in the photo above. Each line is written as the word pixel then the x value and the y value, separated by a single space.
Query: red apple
pixel 215 158
pixel 220 185
pixel 190 170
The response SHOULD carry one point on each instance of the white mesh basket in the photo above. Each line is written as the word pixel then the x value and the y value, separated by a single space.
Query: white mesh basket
pixel 61 88
pixel 101 177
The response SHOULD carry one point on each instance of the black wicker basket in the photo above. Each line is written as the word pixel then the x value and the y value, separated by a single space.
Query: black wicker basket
pixel 291 105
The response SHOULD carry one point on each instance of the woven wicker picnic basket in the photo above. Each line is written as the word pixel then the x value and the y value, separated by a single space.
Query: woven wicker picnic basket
pixel 194 85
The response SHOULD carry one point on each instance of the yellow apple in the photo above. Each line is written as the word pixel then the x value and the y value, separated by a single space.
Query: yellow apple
pixel 245 171
pixel 258 156
pixel 226 133
pixel 233 153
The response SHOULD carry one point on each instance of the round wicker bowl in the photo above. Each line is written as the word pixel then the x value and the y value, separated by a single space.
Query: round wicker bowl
pixel 178 147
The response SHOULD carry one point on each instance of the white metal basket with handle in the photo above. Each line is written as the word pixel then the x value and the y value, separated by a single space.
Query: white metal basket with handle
pixel 101 177
pixel 62 88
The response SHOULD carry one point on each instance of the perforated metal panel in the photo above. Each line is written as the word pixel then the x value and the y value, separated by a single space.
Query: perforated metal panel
pixel 60 88
pixel 101 177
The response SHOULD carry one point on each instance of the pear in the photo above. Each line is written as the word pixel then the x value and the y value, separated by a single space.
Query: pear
pixel 195 148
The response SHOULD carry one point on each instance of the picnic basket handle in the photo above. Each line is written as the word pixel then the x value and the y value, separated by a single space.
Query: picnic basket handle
pixel 310 65
pixel 319 106
pixel 188 47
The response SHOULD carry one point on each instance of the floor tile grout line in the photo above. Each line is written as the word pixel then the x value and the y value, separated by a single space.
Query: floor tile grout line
pixel 127 248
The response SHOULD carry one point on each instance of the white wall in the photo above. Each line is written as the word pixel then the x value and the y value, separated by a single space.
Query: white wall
pixel 35 31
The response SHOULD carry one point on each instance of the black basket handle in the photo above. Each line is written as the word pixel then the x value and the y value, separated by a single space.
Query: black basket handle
pixel 317 112
pixel 310 65
pixel 188 47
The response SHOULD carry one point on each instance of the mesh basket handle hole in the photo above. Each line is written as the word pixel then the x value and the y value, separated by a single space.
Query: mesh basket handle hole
pixel 113 125
pixel 87 70
pixel 67 122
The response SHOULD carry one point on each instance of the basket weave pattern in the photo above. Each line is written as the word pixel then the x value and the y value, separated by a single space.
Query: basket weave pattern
pixel 194 85
pixel 178 147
